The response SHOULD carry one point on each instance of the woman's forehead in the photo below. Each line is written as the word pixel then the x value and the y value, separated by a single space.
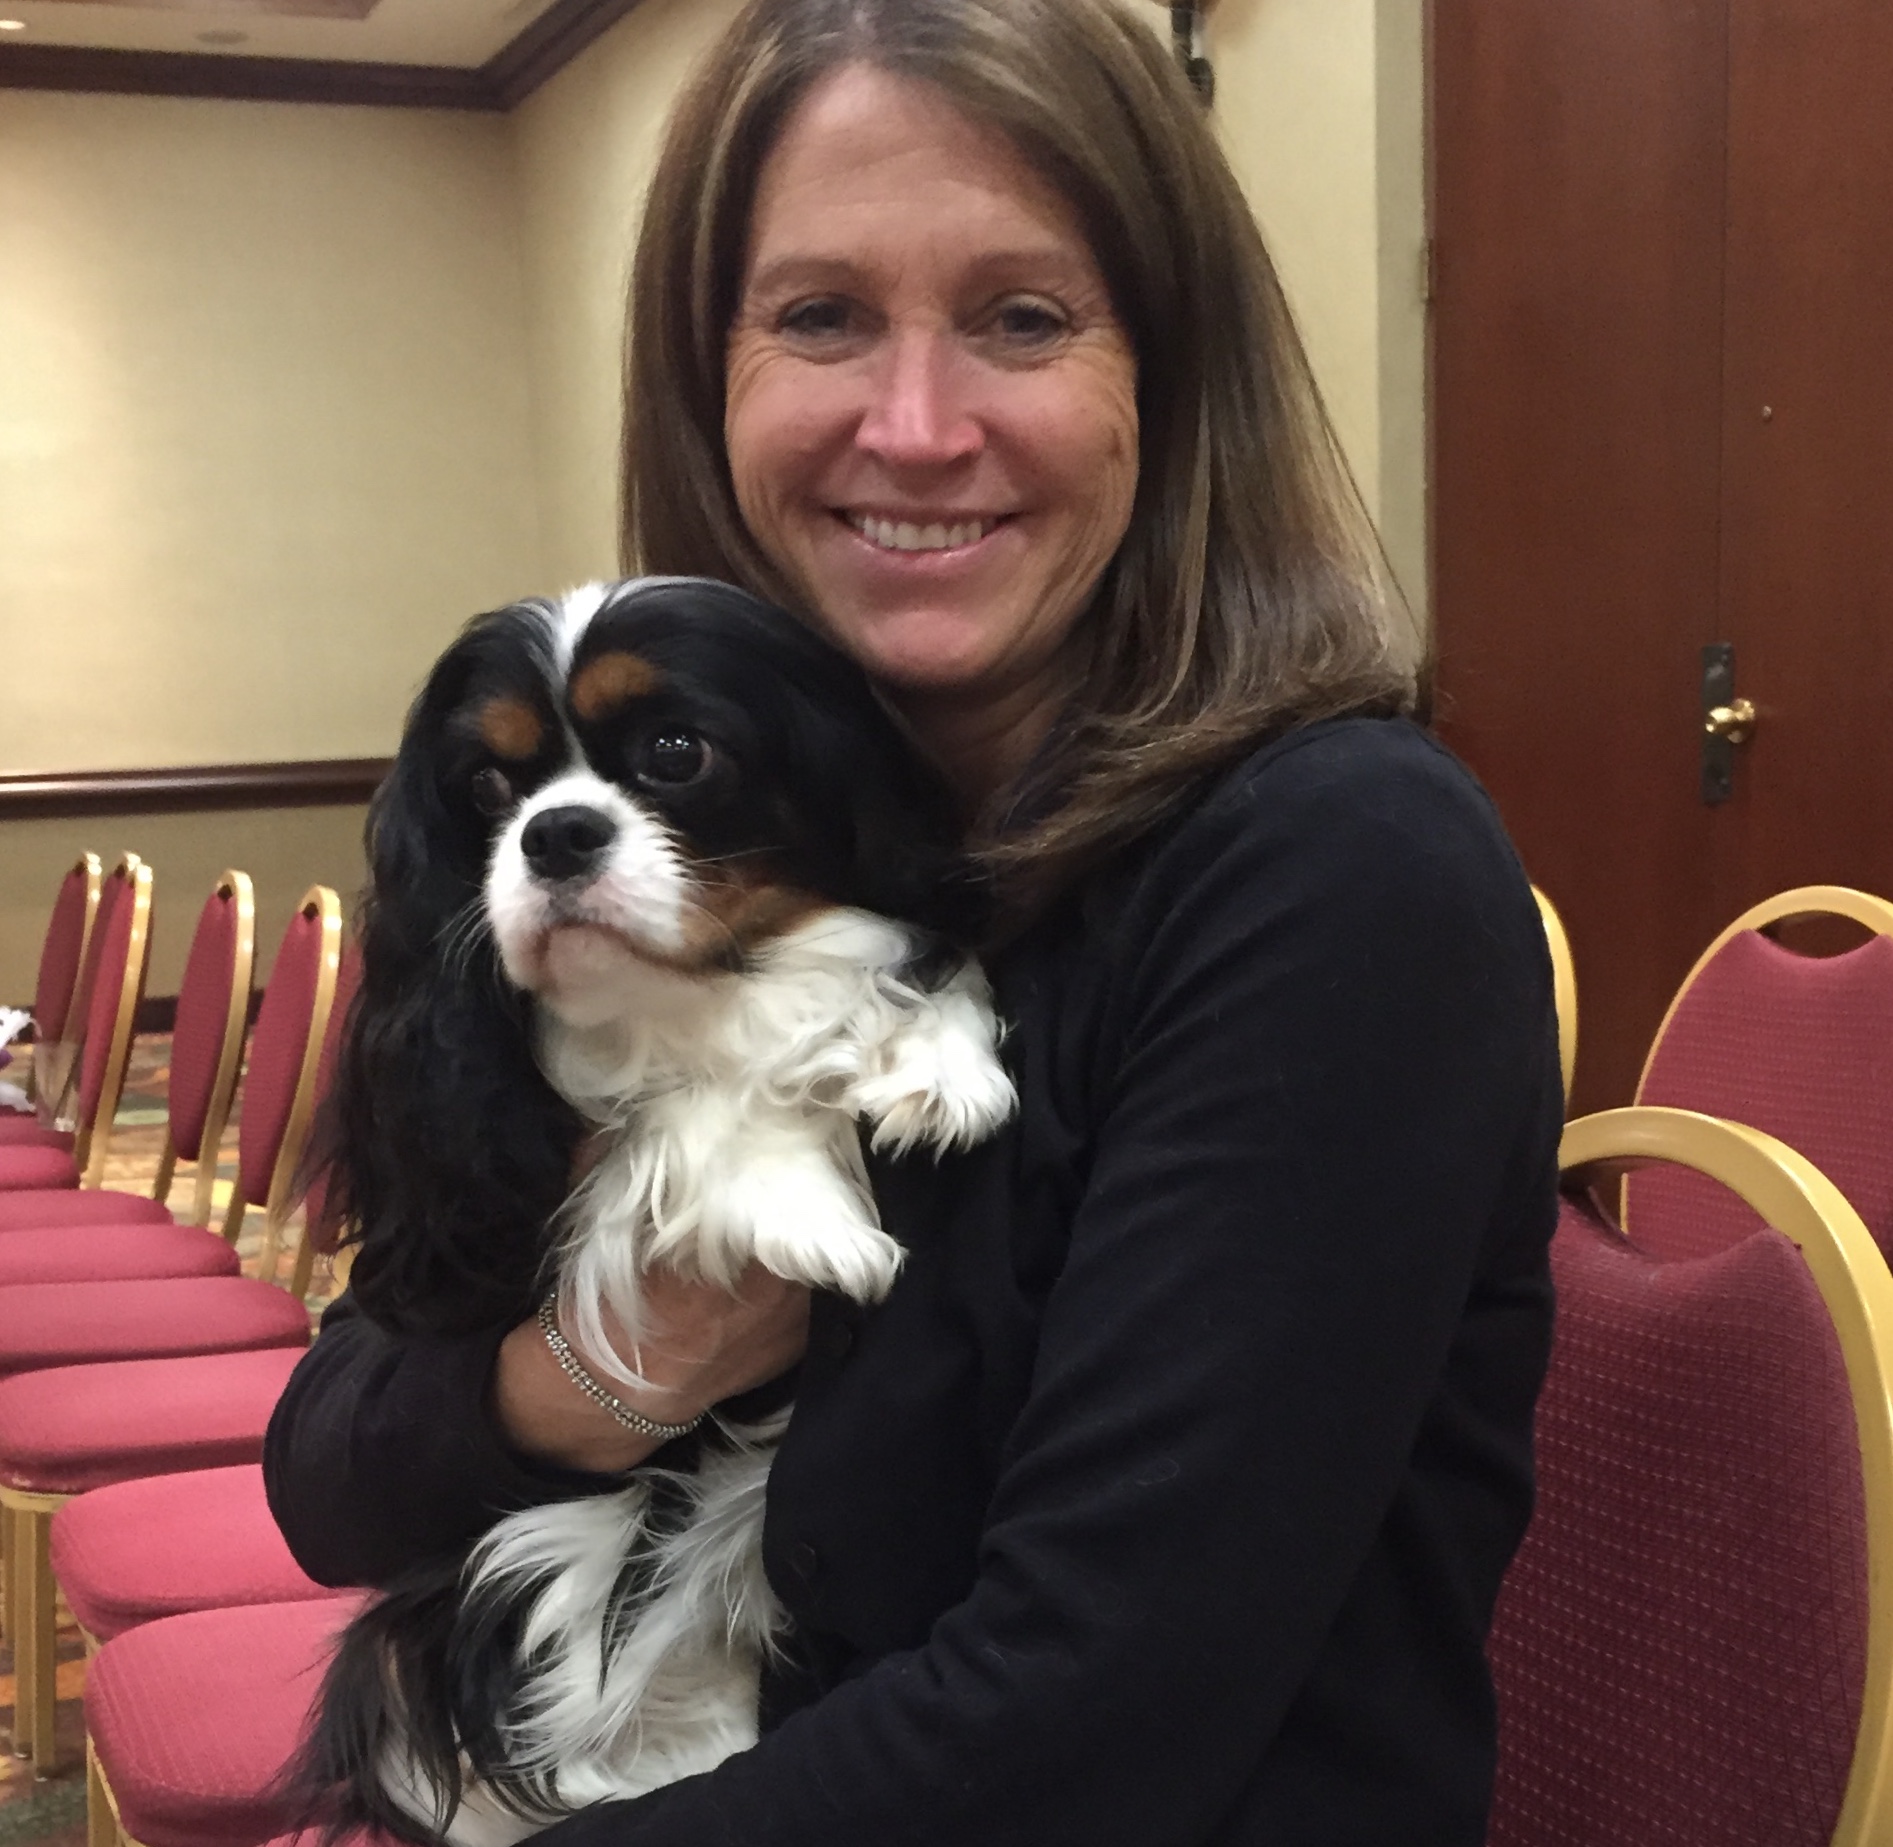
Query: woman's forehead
pixel 870 159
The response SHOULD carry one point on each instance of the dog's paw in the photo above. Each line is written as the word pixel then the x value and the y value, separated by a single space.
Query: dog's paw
pixel 851 1257
pixel 941 1084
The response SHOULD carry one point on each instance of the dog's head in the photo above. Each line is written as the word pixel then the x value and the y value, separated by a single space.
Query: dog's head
pixel 661 775
pixel 672 772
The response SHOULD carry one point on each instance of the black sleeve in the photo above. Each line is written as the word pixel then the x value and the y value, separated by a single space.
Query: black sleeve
pixel 383 1452
pixel 1332 1099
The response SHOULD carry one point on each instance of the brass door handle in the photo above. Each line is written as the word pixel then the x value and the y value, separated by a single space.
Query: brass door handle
pixel 1732 722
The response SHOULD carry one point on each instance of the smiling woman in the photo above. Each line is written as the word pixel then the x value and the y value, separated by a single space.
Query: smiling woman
pixel 1164 1497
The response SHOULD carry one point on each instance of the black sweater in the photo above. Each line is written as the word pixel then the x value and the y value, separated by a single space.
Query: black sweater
pixel 1165 1500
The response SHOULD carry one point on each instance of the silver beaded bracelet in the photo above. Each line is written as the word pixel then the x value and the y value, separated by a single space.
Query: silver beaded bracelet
pixel 574 1369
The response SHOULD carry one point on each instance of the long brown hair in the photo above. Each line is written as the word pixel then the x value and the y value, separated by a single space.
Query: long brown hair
pixel 1248 593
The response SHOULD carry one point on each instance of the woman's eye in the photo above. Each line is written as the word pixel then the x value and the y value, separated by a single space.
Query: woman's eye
pixel 674 760
pixel 825 318
pixel 492 793
pixel 1027 323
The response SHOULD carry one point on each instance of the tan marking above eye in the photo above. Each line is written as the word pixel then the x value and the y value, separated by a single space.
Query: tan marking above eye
pixel 609 681
pixel 510 728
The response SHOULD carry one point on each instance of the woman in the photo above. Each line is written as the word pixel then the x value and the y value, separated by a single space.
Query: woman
pixel 1166 1498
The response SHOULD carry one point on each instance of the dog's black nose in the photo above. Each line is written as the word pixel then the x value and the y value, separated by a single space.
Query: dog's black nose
pixel 562 843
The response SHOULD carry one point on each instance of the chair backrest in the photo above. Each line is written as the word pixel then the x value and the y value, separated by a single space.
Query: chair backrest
pixel 1695 1642
pixel 322 1228
pixel 62 951
pixel 1564 987
pixel 124 936
pixel 285 1049
pixel 56 1054
pixel 213 1007
pixel 1801 1046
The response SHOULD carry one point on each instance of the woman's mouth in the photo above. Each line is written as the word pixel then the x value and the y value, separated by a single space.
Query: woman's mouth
pixel 892 535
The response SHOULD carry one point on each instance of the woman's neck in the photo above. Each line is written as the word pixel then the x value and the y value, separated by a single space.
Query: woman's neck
pixel 983 743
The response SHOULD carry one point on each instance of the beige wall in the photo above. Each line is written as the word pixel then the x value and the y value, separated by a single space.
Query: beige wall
pixel 587 142
pixel 1320 103
pixel 265 440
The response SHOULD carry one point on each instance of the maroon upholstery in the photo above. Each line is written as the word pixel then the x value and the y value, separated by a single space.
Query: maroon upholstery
pixel 59 956
pixel 1680 1646
pixel 41 1210
pixel 25 1168
pixel 203 1011
pixel 22 1131
pixel 194 1717
pixel 141 1550
pixel 71 1428
pixel 79 1324
pixel 115 892
pixel 103 1253
pixel 1801 1046
pixel 276 1051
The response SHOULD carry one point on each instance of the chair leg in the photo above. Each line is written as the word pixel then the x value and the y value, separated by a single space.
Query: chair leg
pixel 101 1819
pixel 6 1574
pixel 37 1662
pixel 19 1626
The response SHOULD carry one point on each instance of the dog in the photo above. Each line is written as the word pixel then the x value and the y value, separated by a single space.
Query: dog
pixel 653 870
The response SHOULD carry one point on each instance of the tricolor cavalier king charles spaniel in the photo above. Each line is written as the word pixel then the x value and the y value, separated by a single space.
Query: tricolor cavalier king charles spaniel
pixel 653 867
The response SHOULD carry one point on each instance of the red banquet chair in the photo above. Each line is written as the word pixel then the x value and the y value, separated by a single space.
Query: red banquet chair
pixel 132 1552
pixel 61 956
pixel 65 1429
pixel 1799 1046
pixel 111 984
pixel 92 1234
pixel 1695 1642
pixel 191 1720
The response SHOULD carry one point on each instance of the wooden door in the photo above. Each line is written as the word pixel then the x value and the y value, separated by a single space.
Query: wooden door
pixel 1652 219
pixel 1807 494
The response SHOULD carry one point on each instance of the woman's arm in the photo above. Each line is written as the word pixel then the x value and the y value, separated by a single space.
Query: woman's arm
pixel 1265 1432
pixel 384 1451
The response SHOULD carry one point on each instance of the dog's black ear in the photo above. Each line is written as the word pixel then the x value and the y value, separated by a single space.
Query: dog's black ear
pixel 451 1152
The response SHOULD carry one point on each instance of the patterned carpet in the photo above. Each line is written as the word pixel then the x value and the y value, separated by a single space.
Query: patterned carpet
pixel 51 1812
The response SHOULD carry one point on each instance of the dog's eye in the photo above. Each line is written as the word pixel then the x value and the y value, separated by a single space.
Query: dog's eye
pixel 674 759
pixel 492 793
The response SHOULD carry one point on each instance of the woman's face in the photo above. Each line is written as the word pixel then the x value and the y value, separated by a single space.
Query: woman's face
pixel 932 412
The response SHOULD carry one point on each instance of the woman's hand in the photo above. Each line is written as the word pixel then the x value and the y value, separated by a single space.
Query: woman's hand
pixel 702 1345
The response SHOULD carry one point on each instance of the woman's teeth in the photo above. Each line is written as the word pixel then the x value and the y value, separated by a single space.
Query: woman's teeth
pixel 904 536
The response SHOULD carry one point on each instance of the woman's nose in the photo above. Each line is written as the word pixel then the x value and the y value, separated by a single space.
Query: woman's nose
pixel 918 413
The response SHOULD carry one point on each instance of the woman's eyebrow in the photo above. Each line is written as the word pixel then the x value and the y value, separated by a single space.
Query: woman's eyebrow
pixel 1047 263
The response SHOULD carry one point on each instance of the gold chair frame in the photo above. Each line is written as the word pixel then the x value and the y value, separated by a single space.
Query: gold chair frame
pixel 31 1594
pixel 53 1058
pixel 321 904
pixel 1564 987
pixel 1801 1203
pixel 95 1132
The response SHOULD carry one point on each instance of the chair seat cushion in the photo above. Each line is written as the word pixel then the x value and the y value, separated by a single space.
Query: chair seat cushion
pixel 80 1324
pixel 194 1717
pixel 41 1209
pixel 71 1428
pixel 104 1253
pixel 23 1166
pixel 203 1540
pixel 19 1131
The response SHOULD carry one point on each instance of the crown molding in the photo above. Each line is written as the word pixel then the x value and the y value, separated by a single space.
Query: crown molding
pixel 544 47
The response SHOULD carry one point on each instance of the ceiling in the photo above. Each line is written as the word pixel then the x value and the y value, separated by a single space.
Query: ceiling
pixel 457 33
